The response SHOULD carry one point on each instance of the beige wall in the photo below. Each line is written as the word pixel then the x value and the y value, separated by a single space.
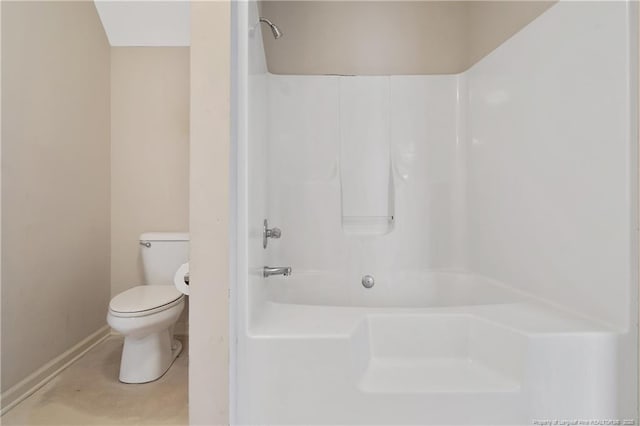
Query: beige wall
pixel 352 37
pixel 149 152
pixel 0 189
pixel 209 213
pixel 55 181
pixel 389 37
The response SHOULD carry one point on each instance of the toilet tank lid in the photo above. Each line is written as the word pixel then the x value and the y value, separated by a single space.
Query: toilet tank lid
pixel 164 236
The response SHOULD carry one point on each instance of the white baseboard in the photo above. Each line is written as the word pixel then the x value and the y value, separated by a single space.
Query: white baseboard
pixel 25 388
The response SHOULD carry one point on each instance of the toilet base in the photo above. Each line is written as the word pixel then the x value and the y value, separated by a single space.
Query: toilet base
pixel 147 358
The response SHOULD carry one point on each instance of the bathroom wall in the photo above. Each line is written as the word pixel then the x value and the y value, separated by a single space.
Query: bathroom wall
pixel 308 126
pixel 209 212
pixel 149 153
pixel 0 186
pixel 550 154
pixel 363 38
pixel 390 37
pixel 55 182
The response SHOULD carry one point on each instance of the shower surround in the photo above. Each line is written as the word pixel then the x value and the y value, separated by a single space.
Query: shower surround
pixel 497 214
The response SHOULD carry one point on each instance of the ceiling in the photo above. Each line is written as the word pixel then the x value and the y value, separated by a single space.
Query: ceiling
pixel 146 22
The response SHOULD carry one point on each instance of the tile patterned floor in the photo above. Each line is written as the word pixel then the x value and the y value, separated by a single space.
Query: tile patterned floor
pixel 89 393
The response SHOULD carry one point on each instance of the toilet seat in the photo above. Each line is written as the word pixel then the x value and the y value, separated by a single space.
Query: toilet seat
pixel 144 300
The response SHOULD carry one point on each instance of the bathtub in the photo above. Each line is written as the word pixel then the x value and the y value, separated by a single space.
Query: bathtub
pixel 413 289
pixel 425 348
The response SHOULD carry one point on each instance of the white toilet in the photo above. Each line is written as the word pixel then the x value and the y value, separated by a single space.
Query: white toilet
pixel 146 314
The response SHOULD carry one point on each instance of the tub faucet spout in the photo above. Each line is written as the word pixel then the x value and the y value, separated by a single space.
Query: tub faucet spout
pixel 267 271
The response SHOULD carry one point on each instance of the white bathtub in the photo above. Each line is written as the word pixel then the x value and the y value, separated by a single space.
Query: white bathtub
pixel 432 348
pixel 411 289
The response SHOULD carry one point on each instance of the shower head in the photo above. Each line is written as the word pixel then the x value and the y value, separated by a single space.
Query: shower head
pixel 274 28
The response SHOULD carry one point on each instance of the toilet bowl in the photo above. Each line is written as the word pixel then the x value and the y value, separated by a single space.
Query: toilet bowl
pixel 145 315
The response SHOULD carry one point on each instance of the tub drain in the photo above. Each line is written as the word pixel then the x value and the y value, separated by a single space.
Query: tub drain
pixel 368 281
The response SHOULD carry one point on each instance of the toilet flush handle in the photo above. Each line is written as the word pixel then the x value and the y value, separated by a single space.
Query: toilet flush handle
pixel 147 244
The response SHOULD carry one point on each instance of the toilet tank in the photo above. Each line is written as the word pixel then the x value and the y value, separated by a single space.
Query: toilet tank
pixel 162 255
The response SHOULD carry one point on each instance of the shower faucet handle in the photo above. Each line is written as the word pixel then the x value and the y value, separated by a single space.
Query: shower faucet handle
pixel 269 233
